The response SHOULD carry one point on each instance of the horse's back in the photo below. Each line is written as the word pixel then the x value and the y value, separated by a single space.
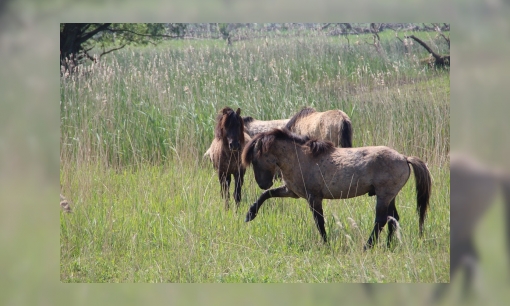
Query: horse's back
pixel 350 172
pixel 376 168
pixel 376 158
pixel 255 127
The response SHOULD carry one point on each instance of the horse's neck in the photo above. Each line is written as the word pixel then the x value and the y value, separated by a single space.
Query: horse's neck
pixel 288 154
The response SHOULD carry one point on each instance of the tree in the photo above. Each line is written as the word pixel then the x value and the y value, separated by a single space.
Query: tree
pixel 226 30
pixel 78 39
pixel 436 59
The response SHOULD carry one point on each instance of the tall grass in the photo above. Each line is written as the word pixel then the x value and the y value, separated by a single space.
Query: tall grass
pixel 147 208
pixel 145 105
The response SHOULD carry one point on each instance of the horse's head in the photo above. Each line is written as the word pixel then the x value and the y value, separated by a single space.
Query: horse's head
pixel 264 163
pixel 230 128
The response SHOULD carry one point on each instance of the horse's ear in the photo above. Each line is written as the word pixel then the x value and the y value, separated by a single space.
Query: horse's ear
pixel 225 110
pixel 238 111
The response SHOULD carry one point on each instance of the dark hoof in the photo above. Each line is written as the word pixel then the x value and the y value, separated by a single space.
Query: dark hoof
pixel 367 247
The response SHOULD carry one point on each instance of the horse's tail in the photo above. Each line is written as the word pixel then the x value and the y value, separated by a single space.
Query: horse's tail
pixel 423 187
pixel 346 132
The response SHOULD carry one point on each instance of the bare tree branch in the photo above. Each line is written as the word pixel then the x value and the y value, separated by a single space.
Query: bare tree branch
pixel 325 26
pixel 424 45
pixel 375 31
pixel 94 32
pixel 406 46
pixel 111 50
pixel 446 38
pixel 144 35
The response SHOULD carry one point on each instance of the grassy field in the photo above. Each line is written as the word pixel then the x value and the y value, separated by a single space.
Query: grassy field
pixel 147 207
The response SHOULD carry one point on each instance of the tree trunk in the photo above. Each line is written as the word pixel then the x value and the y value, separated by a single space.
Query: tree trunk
pixel 69 46
pixel 72 37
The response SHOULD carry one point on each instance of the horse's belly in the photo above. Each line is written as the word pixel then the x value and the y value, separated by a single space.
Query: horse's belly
pixel 345 192
pixel 331 191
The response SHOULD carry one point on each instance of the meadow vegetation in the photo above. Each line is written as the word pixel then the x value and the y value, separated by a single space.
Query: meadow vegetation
pixel 147 206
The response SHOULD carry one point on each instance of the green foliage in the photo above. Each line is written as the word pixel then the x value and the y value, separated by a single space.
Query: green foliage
pixel 130 33
pixel 223 28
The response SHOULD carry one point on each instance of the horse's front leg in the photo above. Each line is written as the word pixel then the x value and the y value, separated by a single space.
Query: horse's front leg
pixel 225 184
pixel 315 204
pixel 280 192
pixel 238 183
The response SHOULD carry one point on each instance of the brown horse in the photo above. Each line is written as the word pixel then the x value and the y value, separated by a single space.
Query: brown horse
pixel 332 125
pixel 316 170
pixel 225 151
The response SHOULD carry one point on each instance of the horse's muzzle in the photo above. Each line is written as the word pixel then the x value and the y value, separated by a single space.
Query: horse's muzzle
pixel 234 147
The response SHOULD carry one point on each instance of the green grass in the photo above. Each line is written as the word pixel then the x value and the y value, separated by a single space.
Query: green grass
pixel 147 208
pixel 168 224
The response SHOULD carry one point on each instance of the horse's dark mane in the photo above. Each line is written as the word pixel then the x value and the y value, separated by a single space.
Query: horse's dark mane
pixel 313 146
pixel 220 122
pixel 317 147
pixel 247 119
pixel 225 115
pixel 301 114
pixel 286 134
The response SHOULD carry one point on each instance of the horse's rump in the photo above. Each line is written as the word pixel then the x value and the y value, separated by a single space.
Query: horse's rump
pixel 332 125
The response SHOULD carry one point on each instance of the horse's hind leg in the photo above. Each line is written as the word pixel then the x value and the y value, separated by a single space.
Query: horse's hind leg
pixel 392 224
pixel 318 215
pixel 381 217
